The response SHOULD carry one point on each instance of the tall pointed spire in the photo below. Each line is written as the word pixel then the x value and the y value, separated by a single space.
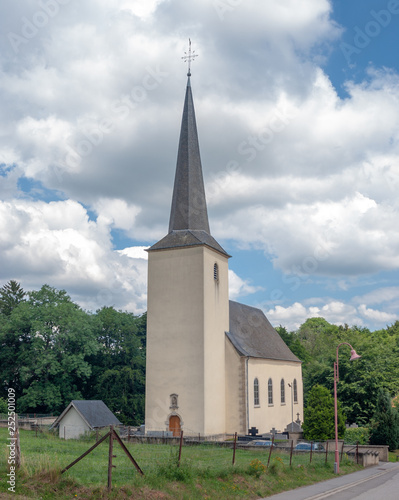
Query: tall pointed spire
pixel 188 223
pixel 188 209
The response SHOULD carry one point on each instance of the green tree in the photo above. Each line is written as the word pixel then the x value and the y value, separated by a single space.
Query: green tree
pixel 293 342
pixel 45 343
pixel 118 368
pixel 11 294
pixel 319 422
pixel 3 405
pixel 319 337
pixel 385 425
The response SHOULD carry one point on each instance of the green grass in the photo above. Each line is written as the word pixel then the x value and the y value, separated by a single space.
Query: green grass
pixel 205 471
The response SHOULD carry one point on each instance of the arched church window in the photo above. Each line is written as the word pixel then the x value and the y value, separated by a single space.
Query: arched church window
pixel 282 391
pixel 270 391
pixel 295 391
pixel 216 272
pixel 256 392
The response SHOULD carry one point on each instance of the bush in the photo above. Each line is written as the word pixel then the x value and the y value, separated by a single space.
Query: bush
pixel 256 468
pixel 174 471
pixel 276 466
pixel 319 422
pixel 356 435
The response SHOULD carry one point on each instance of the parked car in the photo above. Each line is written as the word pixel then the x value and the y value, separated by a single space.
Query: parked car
pixel 260 443
pixel 308 446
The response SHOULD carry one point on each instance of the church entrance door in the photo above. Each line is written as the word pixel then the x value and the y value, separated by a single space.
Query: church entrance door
pixel 174 425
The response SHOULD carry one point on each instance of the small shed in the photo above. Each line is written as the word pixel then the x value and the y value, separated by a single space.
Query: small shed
pixel 80 417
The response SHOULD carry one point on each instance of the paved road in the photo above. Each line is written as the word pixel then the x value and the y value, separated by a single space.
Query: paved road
pixel 380 482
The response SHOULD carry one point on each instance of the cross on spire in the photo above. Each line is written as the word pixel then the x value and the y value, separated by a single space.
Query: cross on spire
pixel 189 57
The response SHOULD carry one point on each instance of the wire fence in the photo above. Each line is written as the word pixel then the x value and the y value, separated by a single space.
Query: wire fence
pixel 30 421
pixel 97 458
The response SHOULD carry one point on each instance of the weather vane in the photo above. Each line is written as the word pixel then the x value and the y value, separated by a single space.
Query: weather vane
pixel 189 57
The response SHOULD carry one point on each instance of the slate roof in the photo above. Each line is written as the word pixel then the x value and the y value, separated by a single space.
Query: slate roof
pixel 188 224
pixel 188 209
pixel 186 238
pixel 252 335
pixel 95 413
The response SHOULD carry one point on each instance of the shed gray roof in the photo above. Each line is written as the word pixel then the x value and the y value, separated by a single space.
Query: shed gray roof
pixel 252 334
pixel 96 413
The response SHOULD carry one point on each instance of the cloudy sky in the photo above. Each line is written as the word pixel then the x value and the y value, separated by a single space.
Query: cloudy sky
pixel 297 105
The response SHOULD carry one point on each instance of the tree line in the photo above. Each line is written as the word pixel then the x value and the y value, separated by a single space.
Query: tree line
pixel 52 351
pixel 367 389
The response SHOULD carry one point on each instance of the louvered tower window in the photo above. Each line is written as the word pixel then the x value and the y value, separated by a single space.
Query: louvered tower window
pixel 216 272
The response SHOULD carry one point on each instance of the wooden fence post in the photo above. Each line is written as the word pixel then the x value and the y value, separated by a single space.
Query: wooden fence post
pixel 110 456
pixel 234 449
pixel 292 448
pixel 270 452
pixel 181 444
pixel 311 451
pixel 17 444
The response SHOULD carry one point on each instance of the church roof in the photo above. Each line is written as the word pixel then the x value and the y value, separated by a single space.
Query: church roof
pixel 188 224
pixel 252 334
pixel 186 238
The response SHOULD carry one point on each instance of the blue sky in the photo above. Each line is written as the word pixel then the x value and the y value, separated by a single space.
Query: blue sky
pixel 297 106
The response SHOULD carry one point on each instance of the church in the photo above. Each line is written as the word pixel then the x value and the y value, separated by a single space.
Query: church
pixel 214 366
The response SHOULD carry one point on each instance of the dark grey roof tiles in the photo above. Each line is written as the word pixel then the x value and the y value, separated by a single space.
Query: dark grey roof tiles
pixel 188 209
pixel 252 334
pixel 96 413
pixel 186 238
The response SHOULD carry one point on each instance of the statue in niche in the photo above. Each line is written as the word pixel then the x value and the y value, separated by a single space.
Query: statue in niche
pixel 173 401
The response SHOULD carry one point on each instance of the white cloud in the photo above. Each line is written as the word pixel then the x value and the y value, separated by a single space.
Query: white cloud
pixel 135 252
pixel 375 315
pixel 117 213
pixel 239 287
pixel 138 7
pixel 379 296
pixel 334 312
pixel 56 243
pixel 91 106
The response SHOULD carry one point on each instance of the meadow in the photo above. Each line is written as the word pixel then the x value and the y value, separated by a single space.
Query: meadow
pixel 205 471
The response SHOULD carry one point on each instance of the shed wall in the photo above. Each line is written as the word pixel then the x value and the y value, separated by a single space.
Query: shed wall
pixel 72 426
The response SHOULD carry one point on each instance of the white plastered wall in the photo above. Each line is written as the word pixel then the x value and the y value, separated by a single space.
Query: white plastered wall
pixel 72 425
pixel 186 320
pixel 278 415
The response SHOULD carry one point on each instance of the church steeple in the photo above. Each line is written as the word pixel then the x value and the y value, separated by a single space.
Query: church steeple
pixel 189 209
pixel 188 223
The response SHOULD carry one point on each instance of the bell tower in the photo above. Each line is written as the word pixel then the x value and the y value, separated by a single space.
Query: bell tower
pixel 188 305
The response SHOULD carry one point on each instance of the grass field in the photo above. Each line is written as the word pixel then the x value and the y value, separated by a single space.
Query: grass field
pixel 205 471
